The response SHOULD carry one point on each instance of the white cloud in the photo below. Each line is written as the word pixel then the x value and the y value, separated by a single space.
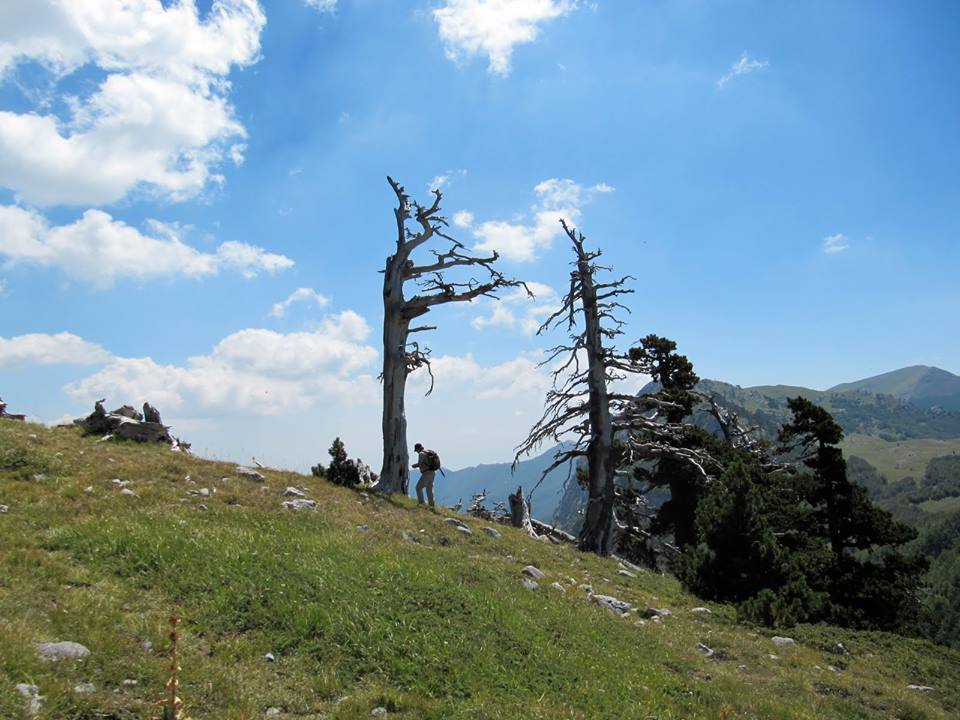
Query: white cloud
pixel 250 372
pixel 322 5
pixel 3 287
pixel 519 379
pixel 159 120
pixel 835 243
pixel 463 219
pixel 42 349
pixel 447 179
pixel 308 295
pixel 743 66
pixel 518 310
pixel 98 249
pixel 494 27
pixel 521 242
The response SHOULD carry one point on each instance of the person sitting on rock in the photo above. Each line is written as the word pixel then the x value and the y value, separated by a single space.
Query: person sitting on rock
pixel 428 462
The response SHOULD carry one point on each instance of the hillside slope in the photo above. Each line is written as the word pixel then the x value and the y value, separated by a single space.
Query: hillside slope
pixel 369 602
pixel 919 384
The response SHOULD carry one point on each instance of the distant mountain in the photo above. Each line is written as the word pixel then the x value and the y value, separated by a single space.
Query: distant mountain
pixel 919 385
pixel 499 482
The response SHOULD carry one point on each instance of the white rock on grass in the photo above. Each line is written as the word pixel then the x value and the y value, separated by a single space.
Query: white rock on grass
pixel 4 509
pixel 701 610
pixel 378 712
pixel 128 492
pixel 617 607
pixel 249 473
pixel 782 642
pixel 66 650
pixel 464 530
pixel 626 573
pixel 294 492
pixel 454 522
pixel 920 688
pixel 300 504
pixel 530 584
pixel 272 712
pixel 532 572
pixel 492 532
pixel 656 613
pixel 708 652
pixel 84 688
pixel 31 693
pixel 558 586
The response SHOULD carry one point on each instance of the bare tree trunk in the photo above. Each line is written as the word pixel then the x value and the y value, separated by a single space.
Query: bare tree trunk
pixel 520 511
pixel 597 533
pixel 395 473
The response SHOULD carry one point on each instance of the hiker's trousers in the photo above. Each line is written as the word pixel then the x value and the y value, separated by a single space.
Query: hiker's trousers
pixel 426 482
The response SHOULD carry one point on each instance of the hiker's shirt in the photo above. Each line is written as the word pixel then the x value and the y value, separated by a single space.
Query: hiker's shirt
pixel 422 462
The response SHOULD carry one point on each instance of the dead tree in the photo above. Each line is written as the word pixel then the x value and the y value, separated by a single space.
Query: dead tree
pixel 610 431
pixel 578 404
pixel 435 286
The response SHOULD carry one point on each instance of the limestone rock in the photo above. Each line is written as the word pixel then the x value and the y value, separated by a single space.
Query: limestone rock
pixel 300 504
pixel 4 509
pixel 66 650
pixel 532 572
pixel 250 473
pixel 617 607
pixel 840 649
pixel 626 573
pixel 85 688
pixel 656 613
pixel 32 694
pixel 920 688
pixel 782 642
pixel 530 584
pixel 492 532
pixel 558 586
pixel 294 492
pixel 701 610
pixel 708 652
pixel 464 530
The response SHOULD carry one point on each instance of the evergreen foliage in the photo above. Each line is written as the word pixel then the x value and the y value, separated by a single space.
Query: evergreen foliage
pixel 340 471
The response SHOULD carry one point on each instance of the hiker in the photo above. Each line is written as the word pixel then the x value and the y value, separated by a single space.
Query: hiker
pixel 429 462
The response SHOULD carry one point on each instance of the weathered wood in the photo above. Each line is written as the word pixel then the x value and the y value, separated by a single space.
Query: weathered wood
pixel 520 511
pixel 400 356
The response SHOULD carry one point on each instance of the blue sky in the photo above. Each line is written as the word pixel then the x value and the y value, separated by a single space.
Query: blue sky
pixel 781 179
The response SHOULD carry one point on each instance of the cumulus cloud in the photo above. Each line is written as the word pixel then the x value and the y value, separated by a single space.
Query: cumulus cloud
pixel 99 249
pixel 252 371
pixel 307 295
pixel 159 120
pixel 520 311
pixel 494 27
pixel 522 241
pixel 42 349
pixel 519 379
pixel 835 243
pixel 743 66
pixel 442 181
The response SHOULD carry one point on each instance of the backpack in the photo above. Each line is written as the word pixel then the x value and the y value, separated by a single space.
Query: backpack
pixel 432 460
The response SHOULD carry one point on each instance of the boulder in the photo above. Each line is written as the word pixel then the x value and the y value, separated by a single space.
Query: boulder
pixel 300 504
pixel 250 473
pixel 66 650
pixel 617 607
pixel 491 531
pixel 532 572
pixel 782 642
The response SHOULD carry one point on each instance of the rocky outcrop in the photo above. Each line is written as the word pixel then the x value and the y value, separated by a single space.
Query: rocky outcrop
pixel 126 423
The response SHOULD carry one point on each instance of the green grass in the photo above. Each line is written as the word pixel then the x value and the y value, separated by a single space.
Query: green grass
pixel 901 458
pixel 357 619
pixel 943 506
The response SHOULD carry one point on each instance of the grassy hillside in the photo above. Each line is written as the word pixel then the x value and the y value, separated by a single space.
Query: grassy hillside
pixel 901 458
pixel 370 602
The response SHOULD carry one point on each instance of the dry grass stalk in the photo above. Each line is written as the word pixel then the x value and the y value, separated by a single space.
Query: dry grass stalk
pixel 173 705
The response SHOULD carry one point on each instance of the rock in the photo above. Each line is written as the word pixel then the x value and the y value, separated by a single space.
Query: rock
pixel 300 504
pixel 4 509
pixel 464 530
pixel 701 610
pixel 617 607
pixel 201 506
pixel 532 572
pixel 119 482
pixel 840 649
pixel 782 642
pixel 655 613
pixel 833 668
pixel 204 492
pixel 294 492
pixel 39 477
pixel 705 650
pixel 773 657
pixel 585 587
pixel 530 584
pixel 408 536
pixel 272 712
pixel 363 528
pixel 128 492
pixel 626 573
pixel 54 651
pixel 85 688
pixel 269 657
pixel 130 682
pixel 558 586
pixel 454 522
pixel 147 646
pixel 88 489
pixel 250 473
pixel 31 692
pixel 378 712
pixel 492 532
pixel 920 688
